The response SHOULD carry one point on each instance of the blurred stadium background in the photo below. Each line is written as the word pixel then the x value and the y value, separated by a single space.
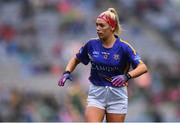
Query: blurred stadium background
pixel 38 37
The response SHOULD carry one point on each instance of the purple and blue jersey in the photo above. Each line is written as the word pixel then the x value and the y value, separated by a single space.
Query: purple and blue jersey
pixel 108 62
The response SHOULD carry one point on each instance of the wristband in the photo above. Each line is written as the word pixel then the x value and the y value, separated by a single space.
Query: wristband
pixel 128 76
pixel 68 72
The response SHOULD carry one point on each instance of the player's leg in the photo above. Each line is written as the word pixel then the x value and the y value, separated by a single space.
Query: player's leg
pixel 94 114
pixel 111 117
pixel 117 105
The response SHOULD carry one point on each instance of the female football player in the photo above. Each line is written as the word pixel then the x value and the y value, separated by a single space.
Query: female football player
pixel 110 57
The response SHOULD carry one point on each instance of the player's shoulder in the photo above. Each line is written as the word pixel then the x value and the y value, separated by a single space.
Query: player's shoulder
pixel 93 41
pixel 127 45
pixel 124 42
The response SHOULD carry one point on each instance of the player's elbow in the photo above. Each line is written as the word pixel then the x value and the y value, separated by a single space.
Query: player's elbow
pixel 144 68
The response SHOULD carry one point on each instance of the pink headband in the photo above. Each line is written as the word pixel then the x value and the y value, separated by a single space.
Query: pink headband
pixel 108 20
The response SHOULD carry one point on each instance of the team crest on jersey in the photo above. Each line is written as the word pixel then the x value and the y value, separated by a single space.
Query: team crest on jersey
pixel 116 57
pixel 105 55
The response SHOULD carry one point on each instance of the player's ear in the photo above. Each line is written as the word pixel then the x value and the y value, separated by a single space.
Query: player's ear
pixel 113 29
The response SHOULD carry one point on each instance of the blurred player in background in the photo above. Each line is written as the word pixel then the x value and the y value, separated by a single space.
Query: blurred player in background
pixel 110 58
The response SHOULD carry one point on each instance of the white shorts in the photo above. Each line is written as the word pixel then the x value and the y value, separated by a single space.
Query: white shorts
pixel 111 99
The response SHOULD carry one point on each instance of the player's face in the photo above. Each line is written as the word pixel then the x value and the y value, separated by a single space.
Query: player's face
pixel 103 29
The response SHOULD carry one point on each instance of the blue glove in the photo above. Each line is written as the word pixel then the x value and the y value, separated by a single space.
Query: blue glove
pixel 66 75
pixel 120 80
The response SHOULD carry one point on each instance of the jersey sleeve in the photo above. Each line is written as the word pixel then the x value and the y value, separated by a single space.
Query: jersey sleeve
pixel 82 55
pixel 133 57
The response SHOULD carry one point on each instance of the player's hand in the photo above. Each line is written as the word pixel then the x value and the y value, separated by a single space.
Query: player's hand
pixel 119 80
pixel 66 75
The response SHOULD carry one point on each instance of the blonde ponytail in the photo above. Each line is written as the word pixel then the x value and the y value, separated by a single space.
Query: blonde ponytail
pixel 118 29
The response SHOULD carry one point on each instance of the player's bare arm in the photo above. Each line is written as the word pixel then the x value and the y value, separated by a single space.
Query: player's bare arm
pixel 139 70
pixel 72 64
